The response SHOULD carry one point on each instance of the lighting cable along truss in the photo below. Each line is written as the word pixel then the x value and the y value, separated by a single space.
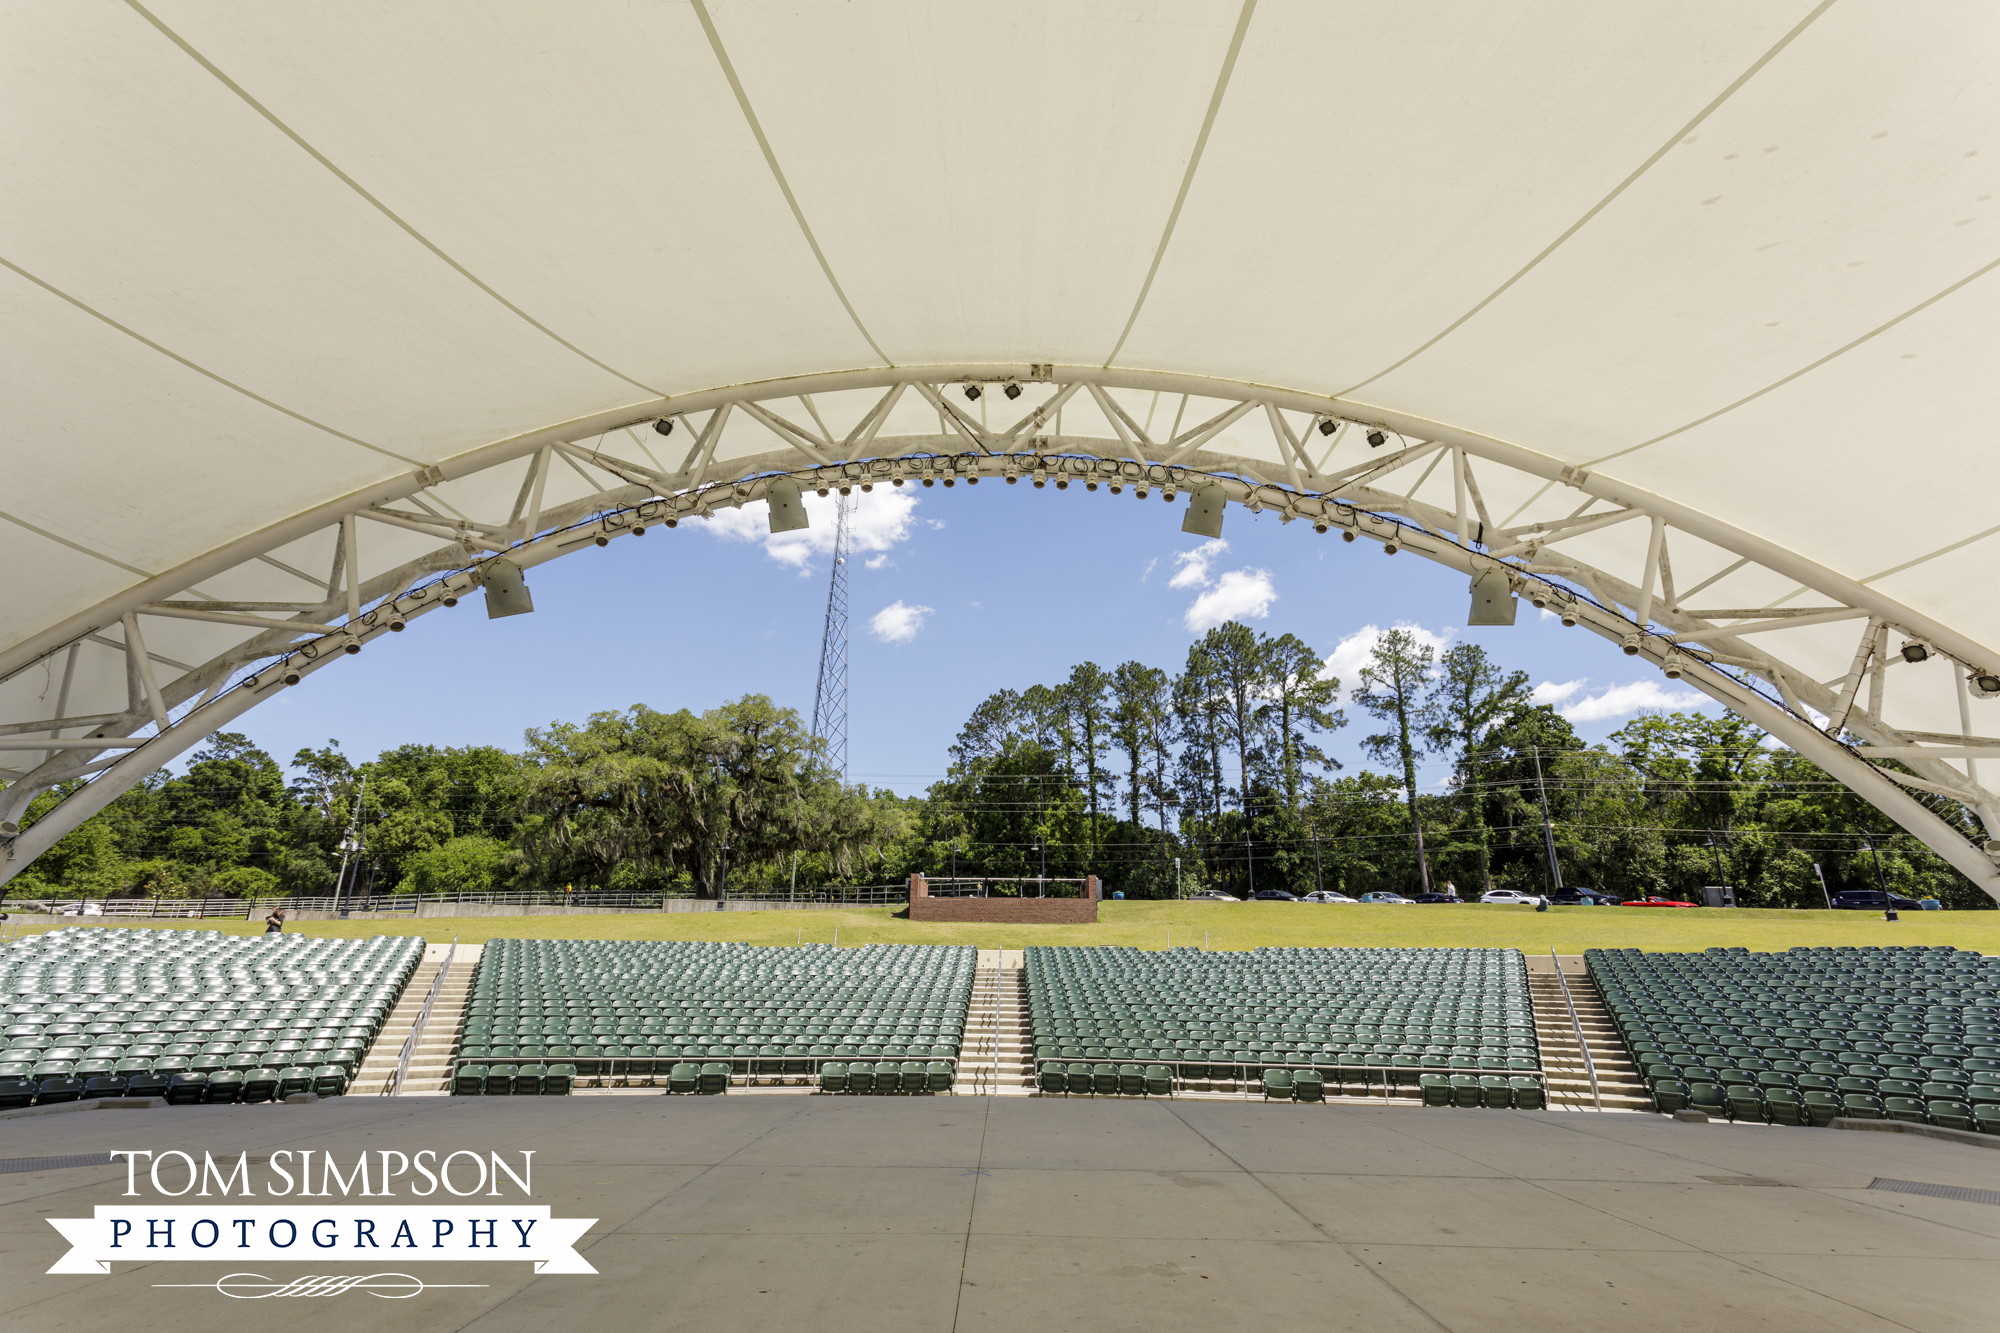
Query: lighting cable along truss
pixel 1598 552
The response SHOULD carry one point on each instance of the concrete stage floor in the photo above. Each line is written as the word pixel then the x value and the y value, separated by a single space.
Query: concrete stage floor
pixel 745 1213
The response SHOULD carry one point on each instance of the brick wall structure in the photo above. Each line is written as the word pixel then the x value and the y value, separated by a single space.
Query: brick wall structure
pixel 1021 911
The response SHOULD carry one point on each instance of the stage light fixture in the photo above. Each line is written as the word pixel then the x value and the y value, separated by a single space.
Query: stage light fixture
pixel 450 600
pixel 1675 666
pixel 664 426
pixel 867 487
pixel 1914 651
pixel 672 522
pixel 291 676
pixel 1167 494
pixel 949 482
pixel 638 529
pixel 1090 485
pixel 1376 439
pixel 506 590
pixel 1631 645
pixel 1492 598
pixel 602 540
pixel 1568 618
pixel 1040 479
pixel 1986 685
pixel 1140 491
pixel 1347 534
pixel 1539 597
pixel 1062 483
pixel 788 510
pixel 397 625
pixel 1391 546
pixel 1204 512
pixel 1319 526
pixel 350 647
pixel 930 481
pixel 847 490
pixel 972 393
pixel 1328 426
pixel 1012 390
pixel 9 829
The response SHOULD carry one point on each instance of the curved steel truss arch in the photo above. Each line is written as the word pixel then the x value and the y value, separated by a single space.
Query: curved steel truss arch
pixel 1600 554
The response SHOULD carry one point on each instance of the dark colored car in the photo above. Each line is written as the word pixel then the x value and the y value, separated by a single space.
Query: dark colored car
pixel 1578 896
pixel 1273 896
pixel 1435 898
pixel 1874 900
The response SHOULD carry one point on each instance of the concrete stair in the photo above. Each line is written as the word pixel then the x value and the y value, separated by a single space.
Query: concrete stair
pixel 997 1055
pixel 430 1064
pixel 1619 1084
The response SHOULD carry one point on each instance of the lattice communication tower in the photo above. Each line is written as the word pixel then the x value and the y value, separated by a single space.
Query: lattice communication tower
pixel 830 698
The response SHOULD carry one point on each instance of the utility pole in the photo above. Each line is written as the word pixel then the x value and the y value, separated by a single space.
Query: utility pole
pixel 1319 881
pixel 829 722
pixel 1821 875
pixel 1548 834
pixel 1249 854
pixel 1888 903
pixel 349 845
pixel 1721 880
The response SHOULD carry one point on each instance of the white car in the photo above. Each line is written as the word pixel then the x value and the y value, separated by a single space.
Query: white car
pixel 1510 898
pixel 1213 896
pixel 1326 896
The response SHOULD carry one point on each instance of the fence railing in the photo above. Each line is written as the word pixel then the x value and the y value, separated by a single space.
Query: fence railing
pixel 861 895
pixel 394 1084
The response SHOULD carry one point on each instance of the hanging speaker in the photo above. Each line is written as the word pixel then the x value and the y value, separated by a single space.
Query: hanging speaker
pixel 506 591
pixel 1204 515
pixel 788 513
pixel 1492 598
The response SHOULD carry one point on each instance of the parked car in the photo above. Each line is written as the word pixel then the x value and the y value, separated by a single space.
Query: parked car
pixel 1392 899
pixel 1213 896
pixel 1435 898
pixel 1655 902
pixel 97 909
pixel 1874 900
pixel 1326 896
pixel 1273 896
pixel 1509 898
pixel 1575 895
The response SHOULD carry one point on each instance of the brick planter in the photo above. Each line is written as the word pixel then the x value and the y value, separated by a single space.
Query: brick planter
pixel 1022 911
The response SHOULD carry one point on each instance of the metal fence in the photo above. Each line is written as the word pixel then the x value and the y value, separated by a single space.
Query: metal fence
pixel 862 895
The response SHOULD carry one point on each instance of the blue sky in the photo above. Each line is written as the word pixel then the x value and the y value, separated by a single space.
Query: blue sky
pixel 955 593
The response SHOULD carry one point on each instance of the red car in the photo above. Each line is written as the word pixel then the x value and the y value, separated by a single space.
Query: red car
pixel 1654 902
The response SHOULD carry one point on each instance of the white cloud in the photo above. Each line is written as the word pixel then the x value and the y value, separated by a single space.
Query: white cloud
pixel 1352 653
pixel 875 562
pixel 1237 595
pixel 881 519
pixel 1193 565
pixel 898 622
pixel 1147 572
pixel 1552 692
pixel 1641 696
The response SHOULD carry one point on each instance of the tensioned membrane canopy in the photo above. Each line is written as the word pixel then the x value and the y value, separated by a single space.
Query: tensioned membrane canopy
pixel 260 257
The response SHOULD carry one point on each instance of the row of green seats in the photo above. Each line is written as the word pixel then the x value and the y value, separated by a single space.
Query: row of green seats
pixel 886 1076
pixel 532 1080
pixel 1110 1080
pixel 1492 1091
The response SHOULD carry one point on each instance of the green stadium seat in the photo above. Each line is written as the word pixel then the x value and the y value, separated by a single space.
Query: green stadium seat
pixel 1494 1091
pixel 1528 1094
pixel 683 1077
pixel 1278 1084
pixel 469 1081
pixel 939 1076
pixel 529 1080
pixel 1951 1114
pixel 224 1087
pixel 1078 1080
pixel 1862 1106
pixel 182 1090
pixel 1907 1109
pixel 1436 1089
pixel 1465 1091
pixel 500 1080
pixel 714 1078
pixel 1784 1106
pixel 833 1076
pixel 1308 1086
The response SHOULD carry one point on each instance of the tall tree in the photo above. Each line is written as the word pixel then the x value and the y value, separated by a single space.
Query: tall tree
pixel 1392 688
pixel 1302 694
pixel 1238 676
pixel 1470 697
pixel 1086 709
pixel 1139 701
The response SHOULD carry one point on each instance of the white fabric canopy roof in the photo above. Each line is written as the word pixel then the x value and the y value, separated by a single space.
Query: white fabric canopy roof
pixel 259 259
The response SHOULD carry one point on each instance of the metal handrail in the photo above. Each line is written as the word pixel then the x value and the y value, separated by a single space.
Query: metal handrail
pixel 394 1084
pixel 1590 1066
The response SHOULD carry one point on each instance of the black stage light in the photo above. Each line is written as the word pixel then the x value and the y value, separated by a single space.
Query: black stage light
pixel 1012 390
pixel 1915 652
pixel 1328 426
pixel 1376 439
pixel 664 426
pixel 972 392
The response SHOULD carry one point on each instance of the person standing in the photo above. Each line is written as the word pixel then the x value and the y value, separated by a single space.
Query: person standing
pixel 274 924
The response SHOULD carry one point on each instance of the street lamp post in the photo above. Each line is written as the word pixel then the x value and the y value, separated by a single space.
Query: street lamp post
pixel 1721 880
pixel 1888 903
pixel 1319 885
pixel 1821 875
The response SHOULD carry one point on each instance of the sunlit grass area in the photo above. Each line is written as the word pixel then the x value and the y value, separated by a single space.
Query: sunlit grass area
pixel 1159 925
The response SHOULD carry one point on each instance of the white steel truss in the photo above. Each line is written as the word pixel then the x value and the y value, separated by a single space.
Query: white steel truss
pixel 1332 463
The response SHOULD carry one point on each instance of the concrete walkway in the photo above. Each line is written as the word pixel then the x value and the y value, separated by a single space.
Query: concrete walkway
pixel 748 1213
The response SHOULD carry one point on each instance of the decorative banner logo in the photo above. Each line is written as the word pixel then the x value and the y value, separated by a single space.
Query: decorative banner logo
pixel 457 1233
pixel 257 1287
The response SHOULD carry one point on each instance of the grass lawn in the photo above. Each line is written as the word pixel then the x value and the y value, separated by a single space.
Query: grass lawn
pixel 1153 925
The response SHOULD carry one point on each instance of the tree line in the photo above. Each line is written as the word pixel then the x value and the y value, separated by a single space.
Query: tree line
pixel 1160 782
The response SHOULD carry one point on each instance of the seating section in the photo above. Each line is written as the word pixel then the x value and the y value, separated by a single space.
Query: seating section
pixel 195 1017
pixel 1814 1034
pixel 1295 1024
pixel 701 1017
